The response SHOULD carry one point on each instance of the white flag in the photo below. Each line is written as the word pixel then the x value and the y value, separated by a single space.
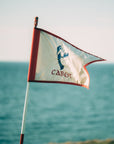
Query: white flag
pixel 55 60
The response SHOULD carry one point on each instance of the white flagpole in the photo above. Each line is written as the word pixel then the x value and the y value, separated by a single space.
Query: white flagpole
pixel 26 100
pixel 24 114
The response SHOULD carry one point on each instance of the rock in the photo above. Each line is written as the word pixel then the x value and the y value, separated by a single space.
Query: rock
pixel 108 141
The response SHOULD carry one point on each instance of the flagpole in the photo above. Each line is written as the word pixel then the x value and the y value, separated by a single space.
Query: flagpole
pixel 24 114
pixel 26 99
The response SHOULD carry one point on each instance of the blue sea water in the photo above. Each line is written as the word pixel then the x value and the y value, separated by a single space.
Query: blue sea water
pixel 56 112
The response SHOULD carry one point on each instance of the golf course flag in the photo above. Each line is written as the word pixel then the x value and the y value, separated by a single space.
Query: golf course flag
pixel 54 60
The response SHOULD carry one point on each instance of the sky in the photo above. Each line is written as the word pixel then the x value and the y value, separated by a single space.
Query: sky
pixel 87 24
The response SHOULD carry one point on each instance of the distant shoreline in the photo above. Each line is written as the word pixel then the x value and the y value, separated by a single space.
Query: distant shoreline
pixel 108 141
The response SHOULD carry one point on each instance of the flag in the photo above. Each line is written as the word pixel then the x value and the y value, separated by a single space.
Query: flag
pixel 54 60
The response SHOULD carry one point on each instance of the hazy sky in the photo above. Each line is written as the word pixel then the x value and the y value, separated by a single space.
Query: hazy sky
pixel 88 24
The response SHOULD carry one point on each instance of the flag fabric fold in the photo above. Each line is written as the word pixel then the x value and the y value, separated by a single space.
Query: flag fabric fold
pixel 54 60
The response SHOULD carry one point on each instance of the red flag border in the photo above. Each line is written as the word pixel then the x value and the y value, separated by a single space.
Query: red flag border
pixel 34 52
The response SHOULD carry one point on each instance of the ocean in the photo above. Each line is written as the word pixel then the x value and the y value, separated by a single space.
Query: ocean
pixel 56 112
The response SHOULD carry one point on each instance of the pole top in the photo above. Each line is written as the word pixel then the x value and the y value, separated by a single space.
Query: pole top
pixel 35 22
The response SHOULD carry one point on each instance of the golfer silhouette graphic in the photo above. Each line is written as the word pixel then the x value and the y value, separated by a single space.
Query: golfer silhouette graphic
pixel 61 54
